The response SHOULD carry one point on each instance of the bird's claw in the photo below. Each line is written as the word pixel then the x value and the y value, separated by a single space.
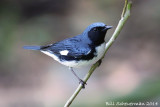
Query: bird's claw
pixel 99 62
pixel 83 83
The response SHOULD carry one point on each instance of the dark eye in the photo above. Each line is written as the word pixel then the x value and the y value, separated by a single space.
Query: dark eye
pixel 95 29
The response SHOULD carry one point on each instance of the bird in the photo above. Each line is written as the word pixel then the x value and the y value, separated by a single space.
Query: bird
pixel 84 49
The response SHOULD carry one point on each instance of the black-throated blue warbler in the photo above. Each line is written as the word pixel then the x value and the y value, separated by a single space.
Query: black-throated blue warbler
pixel 84 49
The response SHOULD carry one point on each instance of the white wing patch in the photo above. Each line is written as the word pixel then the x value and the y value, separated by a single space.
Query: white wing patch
pixel 64 52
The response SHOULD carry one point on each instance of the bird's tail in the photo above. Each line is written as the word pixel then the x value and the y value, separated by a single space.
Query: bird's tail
pixel 32 47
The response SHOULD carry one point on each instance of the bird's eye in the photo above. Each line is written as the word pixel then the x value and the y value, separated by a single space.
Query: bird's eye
pixel 95 29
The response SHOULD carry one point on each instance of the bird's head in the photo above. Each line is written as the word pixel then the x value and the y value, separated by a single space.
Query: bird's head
pixel 96 32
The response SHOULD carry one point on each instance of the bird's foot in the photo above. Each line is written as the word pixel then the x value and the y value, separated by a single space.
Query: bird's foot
pixel 99 62
pixel 83 83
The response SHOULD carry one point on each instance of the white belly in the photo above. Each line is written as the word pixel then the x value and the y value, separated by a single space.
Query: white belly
pixel 99 50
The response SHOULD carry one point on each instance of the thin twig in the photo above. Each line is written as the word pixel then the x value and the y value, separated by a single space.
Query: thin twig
pixel 124 8
pixel 125 15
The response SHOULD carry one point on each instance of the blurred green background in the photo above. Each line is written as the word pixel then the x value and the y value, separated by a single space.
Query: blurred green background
pixel 130 71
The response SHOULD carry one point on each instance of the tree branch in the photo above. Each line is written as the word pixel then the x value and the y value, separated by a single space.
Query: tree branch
pixel 124 16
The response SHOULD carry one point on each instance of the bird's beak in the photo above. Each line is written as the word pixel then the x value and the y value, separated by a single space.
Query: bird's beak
pixel 107 27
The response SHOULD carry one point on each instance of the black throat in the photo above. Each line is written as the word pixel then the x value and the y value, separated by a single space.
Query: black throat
pixel 96 38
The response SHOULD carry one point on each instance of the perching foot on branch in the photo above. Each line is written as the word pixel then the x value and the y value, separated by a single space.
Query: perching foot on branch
pixel 83 83
pixel 99 62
